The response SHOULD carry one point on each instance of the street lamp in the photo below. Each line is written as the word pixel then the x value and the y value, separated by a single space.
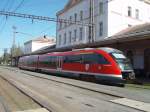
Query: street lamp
pixel 24 33
pixel 13 44
pixel 14 39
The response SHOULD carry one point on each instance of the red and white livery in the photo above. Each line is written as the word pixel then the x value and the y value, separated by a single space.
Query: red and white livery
pixel 102 63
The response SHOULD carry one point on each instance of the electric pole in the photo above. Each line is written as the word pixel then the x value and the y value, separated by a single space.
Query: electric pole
pixel 91 27
pixel 4 57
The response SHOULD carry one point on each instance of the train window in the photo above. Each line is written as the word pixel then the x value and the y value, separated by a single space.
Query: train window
pixel 53 62
pixel 102 59
pixel 31 60
pixel 49 61
pixel 95 59
pixel 118 56
pixel 73 59
pixel 44 60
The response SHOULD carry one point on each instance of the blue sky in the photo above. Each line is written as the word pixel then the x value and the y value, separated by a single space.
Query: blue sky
pixel 35 29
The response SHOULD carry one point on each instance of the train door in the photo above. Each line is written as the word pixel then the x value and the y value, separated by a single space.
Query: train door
pixel 59 62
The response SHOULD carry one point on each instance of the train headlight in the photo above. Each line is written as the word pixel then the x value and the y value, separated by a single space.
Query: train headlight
pixel 121 66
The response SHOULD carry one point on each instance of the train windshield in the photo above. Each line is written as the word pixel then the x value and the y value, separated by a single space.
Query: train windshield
pixel 123 62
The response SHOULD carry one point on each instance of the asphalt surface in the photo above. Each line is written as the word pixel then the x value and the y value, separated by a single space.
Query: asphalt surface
pixel 11 99
pixel 66 98
pixel 134 93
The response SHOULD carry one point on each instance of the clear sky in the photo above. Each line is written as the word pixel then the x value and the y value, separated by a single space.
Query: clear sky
pixel 37 28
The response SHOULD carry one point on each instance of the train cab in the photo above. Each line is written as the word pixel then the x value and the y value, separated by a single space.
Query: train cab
pixel 123 63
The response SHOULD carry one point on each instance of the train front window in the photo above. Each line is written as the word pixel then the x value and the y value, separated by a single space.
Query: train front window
pixel 118 56
pixel 123 62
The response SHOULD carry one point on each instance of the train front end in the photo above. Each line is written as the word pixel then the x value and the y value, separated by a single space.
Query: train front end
pixel 123 63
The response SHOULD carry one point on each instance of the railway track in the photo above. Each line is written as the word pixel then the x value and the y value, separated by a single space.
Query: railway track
pixel 3 106
pixel 38 98
pixel 68 83
pixel 25 92
pixel 43 100
pixel 13 99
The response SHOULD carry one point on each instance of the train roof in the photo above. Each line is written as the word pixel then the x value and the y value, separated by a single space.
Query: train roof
pixel 74 51
pixel 86 50
pixel 110 50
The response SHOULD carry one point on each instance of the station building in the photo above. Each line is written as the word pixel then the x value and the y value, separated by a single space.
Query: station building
pixel 38 43
pixel 110 17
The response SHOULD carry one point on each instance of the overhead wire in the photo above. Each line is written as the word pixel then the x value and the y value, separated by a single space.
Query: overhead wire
pixel 19 6
pixel 9 8
pixel 6 5
pixel 22 2
pixel 46 29
pixel 11 5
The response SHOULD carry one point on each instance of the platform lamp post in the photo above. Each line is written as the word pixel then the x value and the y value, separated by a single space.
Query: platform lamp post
pixel 13 44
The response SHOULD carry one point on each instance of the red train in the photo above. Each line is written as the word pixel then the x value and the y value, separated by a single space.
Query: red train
pixel 101 63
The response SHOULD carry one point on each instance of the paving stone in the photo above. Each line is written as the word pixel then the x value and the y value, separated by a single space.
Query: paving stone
pixel 35 110
pixel 133 103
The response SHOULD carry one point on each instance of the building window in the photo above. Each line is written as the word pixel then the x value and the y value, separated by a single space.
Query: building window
pixel 65 24
pixel 81 33
pixel 101 9
pixel 65 38
pixel 89 12
pixel 101 29
pixel 70 19
pixel 59 39
pixel 81 15
pixel 129 11
pixel 75 17
pixel 60 25
pixel 75 35
pixel 137 14
pixel 70 36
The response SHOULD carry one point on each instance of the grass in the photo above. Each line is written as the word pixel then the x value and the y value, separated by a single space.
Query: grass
pixel 142 83
pixel 143 86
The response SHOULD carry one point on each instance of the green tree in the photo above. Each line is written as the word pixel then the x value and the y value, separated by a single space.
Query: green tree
pixel 1 60
pixel 6 58
pixel 16 51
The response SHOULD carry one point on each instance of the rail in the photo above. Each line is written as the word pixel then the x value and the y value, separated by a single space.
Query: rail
pixel 71 84
pixel 3 106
